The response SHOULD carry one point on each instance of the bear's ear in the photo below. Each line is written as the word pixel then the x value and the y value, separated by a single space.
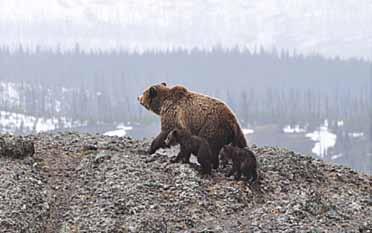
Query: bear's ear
pixel 164 84
pixel 152 92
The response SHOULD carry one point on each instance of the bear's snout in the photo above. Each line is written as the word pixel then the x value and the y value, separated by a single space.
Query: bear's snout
pixel 140 98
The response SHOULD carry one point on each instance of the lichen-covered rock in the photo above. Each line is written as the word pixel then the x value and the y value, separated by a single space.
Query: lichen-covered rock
pixel 16 147
pixel 114 186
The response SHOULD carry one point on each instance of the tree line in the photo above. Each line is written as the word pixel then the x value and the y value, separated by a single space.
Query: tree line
pixel 261 86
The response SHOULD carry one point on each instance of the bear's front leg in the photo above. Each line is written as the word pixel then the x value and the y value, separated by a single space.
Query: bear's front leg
pixel 158 142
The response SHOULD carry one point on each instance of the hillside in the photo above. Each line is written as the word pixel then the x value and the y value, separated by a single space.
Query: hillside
pixel 94 183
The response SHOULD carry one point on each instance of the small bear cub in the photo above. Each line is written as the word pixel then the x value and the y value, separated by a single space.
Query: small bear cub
pixel 243 160
pixel 191 144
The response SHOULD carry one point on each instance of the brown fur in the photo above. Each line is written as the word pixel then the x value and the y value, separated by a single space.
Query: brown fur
pixel 199 114
pixel 192 144
pixel 244 161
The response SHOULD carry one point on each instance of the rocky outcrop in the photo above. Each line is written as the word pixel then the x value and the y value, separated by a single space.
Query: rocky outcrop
pixel 93 183
pixel 16 147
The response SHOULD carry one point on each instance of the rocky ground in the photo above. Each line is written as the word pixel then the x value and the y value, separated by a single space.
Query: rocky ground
pixel 92 183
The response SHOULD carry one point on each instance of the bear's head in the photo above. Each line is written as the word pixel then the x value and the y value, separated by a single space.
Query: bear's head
pixel 154 96
pixel 172 138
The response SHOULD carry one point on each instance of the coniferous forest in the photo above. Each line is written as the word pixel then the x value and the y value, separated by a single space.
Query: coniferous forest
pixel 264 88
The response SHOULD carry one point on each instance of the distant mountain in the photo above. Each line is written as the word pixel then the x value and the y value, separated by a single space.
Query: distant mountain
pixel 332 28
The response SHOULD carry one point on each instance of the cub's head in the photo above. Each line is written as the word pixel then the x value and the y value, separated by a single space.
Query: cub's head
pixel 226 153
pixel 172 138
pixel 152 98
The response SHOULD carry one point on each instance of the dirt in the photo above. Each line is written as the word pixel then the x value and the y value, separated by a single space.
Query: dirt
pixel 93 183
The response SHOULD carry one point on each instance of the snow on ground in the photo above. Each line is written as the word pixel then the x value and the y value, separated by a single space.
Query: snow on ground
pixel 120 131
pixel 295 129
pixel 13 122
pixel 247 131
pixel 340 123
pixel 333 157
pixel 356 134
pixel 324 140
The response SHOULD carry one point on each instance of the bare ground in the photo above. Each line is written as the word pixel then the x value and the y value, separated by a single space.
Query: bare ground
pixel 92 183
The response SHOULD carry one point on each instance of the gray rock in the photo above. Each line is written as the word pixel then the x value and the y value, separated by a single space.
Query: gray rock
pixel 118 187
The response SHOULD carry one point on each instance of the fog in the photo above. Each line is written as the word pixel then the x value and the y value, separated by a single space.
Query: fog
pixel 330 28
pixel 298 75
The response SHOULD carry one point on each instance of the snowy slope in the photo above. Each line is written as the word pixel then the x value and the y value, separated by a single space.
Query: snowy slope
pixel 12 122
pixel 332 27
pixel 19 123
pixel 120 131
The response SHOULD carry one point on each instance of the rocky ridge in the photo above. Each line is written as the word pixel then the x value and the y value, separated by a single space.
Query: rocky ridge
pixel 93 183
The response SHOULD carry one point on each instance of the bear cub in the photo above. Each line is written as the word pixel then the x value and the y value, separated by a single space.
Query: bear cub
pixel 243 161
pixel 191 144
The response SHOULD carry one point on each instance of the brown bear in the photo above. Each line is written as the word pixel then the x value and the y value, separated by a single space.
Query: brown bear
pixel 192 144
pixel 199 114
pixel 243 161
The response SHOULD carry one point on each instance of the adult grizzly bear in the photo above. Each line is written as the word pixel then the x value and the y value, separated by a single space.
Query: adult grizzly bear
pixel 199 114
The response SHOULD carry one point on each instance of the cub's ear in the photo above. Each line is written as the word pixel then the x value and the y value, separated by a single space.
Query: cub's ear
pixel 152 92
pixel 164 84
pixel 175 132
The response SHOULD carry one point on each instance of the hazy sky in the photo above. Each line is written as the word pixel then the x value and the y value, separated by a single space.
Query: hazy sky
pixel 329 27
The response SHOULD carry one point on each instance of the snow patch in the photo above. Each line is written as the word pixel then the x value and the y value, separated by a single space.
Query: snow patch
pixel 16 122
pixel 295 129
pixel 336 156
pixel 356 134
pixel 121 130
pixel 340 123
pixel 324 140
pixel 247 131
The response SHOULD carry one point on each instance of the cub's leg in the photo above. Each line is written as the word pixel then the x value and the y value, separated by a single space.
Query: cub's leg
pixel 184 153
pixel 233 170
pixel 238 174
pixel 186 157
pixel 205 164
pixel 158 142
